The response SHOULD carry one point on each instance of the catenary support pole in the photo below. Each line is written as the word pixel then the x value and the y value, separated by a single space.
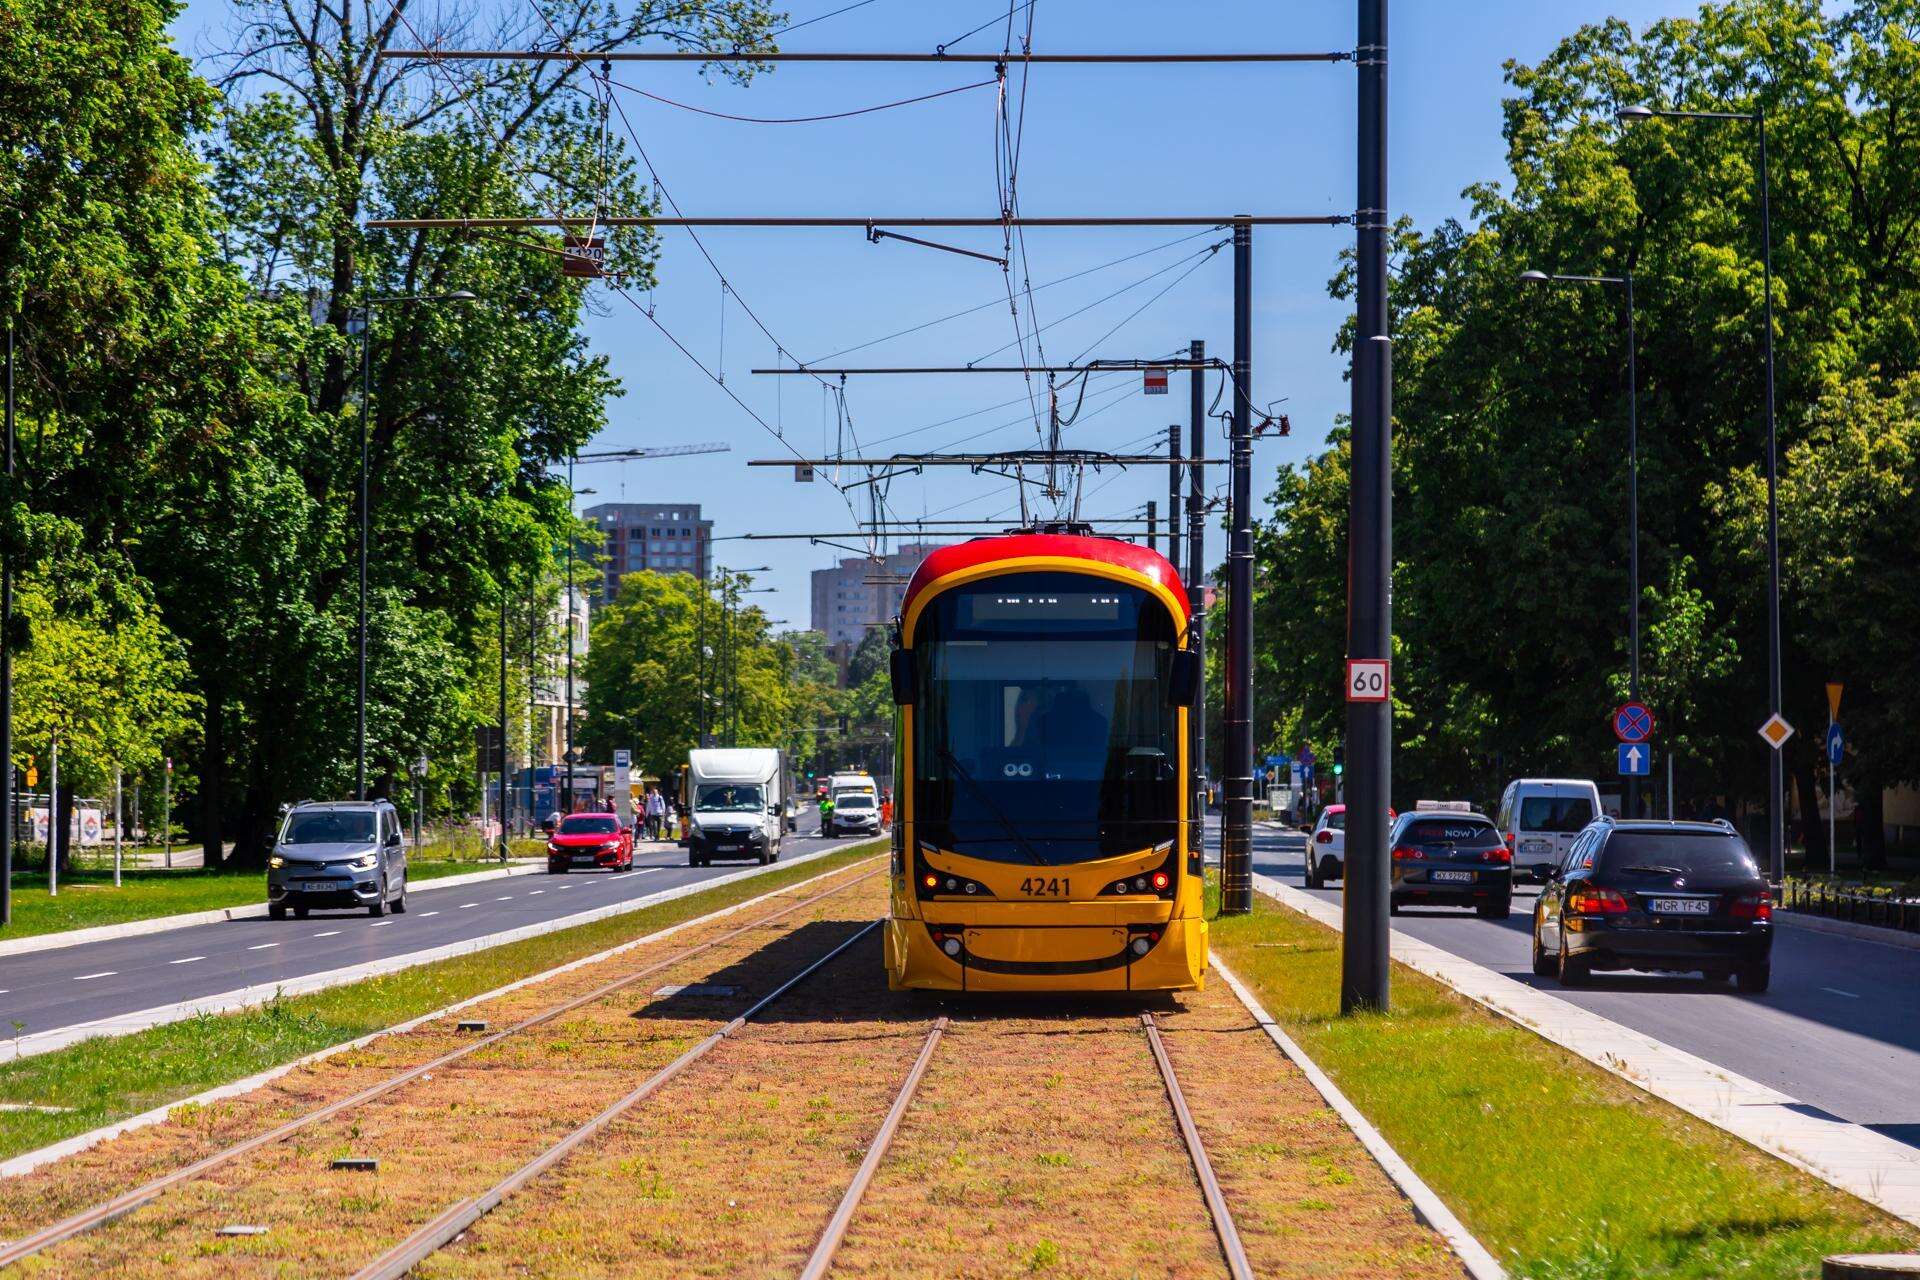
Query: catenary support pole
pixel 1633 525
pixel 56 830
pixel 366 412
pixel 166 816
pixel 1236 843
pixel 1364 970
pixel 1153 524
pixel 1776 759
pixel 6 669
pixel 1196 590
pixel 565 796
pixel 506 795
pixel 116 826
pixel 1173 499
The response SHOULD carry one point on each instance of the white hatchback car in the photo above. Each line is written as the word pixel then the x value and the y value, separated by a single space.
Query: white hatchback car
pixel 1327 847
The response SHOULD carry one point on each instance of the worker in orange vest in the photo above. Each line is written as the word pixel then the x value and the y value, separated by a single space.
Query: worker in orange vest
pixel 886 809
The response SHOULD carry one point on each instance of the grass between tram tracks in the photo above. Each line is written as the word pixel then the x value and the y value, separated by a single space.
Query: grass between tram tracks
pixel 110 1078
pixel 87 897
pixel 1563 1170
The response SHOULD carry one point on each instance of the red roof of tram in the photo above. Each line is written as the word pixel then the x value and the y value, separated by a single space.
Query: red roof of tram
pixel 1020 546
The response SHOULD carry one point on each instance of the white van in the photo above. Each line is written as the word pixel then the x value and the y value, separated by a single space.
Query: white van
pixel 852 784
pixel 1540 818
pixel 737 804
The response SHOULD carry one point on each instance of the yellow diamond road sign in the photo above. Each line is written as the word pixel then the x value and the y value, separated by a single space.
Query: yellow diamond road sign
pixel 1776 731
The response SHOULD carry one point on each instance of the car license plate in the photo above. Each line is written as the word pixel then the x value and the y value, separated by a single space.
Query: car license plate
pixel 325 886
pixel 1451 875
pixel 1680 906
pixel 726 848
pixel 587 858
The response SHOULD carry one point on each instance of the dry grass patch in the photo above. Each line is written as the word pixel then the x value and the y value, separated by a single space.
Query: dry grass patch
pixel 438 1138
pixel 1041 1143
pixel 735 1167
pixel 1307 1198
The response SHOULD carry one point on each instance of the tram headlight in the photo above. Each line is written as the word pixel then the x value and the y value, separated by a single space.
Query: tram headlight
pixel 931 881
pixel 951 946
pixel 1141 944
pixel 1139 884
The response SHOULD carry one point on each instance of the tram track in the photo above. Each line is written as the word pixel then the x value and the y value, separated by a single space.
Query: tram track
pixel 1231 1247
pixel 443 1230
pixel 146 1193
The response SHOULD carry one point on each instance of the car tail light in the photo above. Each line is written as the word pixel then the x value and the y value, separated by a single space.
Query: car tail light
pixel 1596 902
pixel 1407 853
pixel 1509 842
pixel 1753 906
pixel 1323 837
pixel 1499 853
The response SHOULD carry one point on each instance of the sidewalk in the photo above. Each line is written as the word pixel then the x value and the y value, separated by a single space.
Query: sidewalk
pixel 1865 1164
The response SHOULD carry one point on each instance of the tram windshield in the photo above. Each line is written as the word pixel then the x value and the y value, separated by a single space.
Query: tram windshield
pixel 1042 728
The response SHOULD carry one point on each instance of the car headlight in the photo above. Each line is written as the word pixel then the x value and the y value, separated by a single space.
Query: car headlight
pixel 365 862
pixel 276 862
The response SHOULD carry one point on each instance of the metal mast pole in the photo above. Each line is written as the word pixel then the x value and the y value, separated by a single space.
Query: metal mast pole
pixel 566 793
pixel 1776 763
pixel 1364 970
pixel 1633 528
pixel 6 667
pixel 1173 499
pixel 506 806
pixel 366 412
pixel 1153 524
pixel 1236 845
pixel 700 663
pixel 1196 590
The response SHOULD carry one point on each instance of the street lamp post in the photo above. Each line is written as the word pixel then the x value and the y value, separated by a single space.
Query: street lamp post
pixel 1633 485
pixel 6 672
pixel 359 321
pixel 728 672
pixel 1776 765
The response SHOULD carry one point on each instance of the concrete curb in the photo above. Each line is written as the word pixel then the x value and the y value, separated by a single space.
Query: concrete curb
pixel 1427 1205
pixel 259 993
pixel 28 1161
pixel 1864 1164
pixel 252 911
pixel 1848 929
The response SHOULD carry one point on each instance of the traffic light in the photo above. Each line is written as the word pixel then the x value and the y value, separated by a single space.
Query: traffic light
pixel 1339 760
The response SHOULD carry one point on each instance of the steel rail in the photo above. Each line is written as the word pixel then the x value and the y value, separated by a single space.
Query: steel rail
pixel 836 1231
pixel 452 1222
pixel 1230 1246
pixel 127 1201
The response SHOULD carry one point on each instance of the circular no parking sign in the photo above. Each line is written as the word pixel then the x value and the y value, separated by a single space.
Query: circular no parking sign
pixel 1632 722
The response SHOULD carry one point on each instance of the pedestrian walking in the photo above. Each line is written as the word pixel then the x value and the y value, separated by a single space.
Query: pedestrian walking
pixel 656 812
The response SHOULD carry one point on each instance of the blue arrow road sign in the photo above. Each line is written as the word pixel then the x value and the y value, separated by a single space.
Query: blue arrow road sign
pixel 1835 741
pixel 1636 760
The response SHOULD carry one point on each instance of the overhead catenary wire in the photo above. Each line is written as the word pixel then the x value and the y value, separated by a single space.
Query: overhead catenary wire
pixel 816 119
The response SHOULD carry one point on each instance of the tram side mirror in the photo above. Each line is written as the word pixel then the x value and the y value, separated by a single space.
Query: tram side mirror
pixel 1184 674
pixel 900 668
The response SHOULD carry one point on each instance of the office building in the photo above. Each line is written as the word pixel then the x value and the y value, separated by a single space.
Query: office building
pixel 858 592
pixel 663 537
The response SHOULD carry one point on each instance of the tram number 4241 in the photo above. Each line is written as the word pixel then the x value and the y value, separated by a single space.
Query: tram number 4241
pixel 1047 887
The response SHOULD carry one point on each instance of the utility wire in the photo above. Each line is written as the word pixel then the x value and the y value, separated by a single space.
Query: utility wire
pixel 795 26
pixel 833 115
pixel 1201 254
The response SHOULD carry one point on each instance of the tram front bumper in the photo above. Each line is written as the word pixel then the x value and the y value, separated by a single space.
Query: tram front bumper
pixel 961 957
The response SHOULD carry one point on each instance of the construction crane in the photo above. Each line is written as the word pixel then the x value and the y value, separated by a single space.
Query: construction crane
pixel 656 451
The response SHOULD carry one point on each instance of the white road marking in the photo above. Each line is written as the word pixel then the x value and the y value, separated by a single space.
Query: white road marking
pixel 534 893
pixel 1838 992
pixel 262 946
pixel 468 906
pixel 328 934
pixel 89 977
pixel 505 897
pixel 186 959
pixel 379 924
pixel 425 914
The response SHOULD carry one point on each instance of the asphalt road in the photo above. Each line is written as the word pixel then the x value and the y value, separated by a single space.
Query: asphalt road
pixel 48 990
pixel 1839 1030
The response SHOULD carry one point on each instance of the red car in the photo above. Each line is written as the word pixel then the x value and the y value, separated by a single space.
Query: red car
pixel 585 840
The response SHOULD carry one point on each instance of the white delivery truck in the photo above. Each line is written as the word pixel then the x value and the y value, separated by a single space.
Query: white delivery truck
pixel 737 804
pixel 866 793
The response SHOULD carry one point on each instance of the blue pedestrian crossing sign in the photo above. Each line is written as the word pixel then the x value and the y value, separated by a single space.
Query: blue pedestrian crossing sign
pixel 1836 742
pixel 1636 760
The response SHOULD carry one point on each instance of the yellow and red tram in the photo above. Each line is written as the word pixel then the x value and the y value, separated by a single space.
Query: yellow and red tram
pixel 1043 840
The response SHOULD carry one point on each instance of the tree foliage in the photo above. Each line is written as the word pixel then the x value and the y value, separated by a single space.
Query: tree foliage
pixel 1510 479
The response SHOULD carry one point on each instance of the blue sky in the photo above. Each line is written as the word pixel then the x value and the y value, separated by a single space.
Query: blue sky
pixel 1097 140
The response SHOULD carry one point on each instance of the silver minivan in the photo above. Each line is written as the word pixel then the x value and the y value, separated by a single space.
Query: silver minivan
pixel 345 853
pixel 1541 817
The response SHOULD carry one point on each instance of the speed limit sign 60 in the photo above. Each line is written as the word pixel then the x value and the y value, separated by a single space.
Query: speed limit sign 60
pixel 1368 679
